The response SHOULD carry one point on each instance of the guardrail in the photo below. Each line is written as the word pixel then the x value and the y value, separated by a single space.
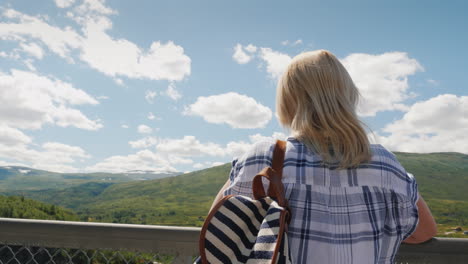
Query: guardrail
pixel 25 241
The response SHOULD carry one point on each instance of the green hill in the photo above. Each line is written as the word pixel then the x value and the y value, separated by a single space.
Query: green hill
pixel 181 200
pixel 439 175
pixel 71 197
pixel 443 182
pixel 20 207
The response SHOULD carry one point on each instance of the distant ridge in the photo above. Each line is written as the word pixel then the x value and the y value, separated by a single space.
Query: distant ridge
pixel 19 178
pixel 148 174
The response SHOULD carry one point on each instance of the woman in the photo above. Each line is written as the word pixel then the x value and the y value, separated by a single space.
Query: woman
pixel 351 201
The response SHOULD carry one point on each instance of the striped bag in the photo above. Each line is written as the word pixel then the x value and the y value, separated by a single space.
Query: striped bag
pixel 243 230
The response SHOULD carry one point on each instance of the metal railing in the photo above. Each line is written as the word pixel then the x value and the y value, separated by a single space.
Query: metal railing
pixel 44 241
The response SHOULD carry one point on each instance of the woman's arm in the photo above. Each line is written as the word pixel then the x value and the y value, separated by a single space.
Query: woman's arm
pixel 427 227
pixel 220 194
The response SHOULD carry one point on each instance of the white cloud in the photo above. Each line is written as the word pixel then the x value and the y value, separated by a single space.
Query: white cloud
pixel 60 41
pixel 14 55
pixel 297 42
pixel 8 164
pixel 32 49
pixel 72 117
pixel 124 126
pixel 174 159
pixel 236 110
pixel 276 135
pixel 172 151
pixel 237 148
pixel 102 97
pixel 435 125
pixel 276 62
pixel 145 142
pixel 251 48
pixel 12 136
pixel 291 43
pixel 64 3
pixel 433 82
pixel 94 6
pixel 198 166
pixel 172 93
pixel 144 129
pixel 51 156
pixel 217 163
pixel 150 95
pixel 119 81
pixel 207 164
pixel 151 116
pixel 240 56
pixel 142 160
pixel 169 152
pixel 29 64
pixel 28 100
pixel 189 146
pixel 382 80
pixel 162 61
pixel 64 149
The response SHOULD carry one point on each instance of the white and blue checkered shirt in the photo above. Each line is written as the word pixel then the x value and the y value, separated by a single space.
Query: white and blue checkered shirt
pixel 356 215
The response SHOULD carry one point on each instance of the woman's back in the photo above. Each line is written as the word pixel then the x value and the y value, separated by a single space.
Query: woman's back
pixel 356 215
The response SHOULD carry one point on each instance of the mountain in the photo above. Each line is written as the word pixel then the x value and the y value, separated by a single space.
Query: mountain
pixel 178 200
pixel 149 175
pixel 14 179
pixel 185 199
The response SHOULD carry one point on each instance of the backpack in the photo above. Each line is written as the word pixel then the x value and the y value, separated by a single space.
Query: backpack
pixel 243 230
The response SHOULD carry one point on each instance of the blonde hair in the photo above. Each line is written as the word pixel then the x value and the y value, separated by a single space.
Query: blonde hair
pixel 317 99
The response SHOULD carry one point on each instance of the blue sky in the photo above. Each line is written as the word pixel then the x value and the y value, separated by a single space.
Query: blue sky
pixel 93 85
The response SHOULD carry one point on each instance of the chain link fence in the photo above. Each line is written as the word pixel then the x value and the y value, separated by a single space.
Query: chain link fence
pixel 40 255
pixel 10 254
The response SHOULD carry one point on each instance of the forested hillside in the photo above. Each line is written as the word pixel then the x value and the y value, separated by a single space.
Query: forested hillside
pixel 20 207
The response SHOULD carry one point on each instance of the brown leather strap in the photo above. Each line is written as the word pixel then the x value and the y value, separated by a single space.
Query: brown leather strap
pixel 278 157
pixel 274 175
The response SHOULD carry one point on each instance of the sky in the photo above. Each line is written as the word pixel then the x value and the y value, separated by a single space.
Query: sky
pixel 115 86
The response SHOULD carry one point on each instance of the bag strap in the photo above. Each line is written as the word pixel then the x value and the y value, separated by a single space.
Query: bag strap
pixel 278 157
pixel 274 175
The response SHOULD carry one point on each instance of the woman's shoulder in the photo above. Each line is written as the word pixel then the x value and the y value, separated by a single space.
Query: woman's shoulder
pixel 382 154
pixel 261 148
pixel 386 161
pixel 257 154
pixel 256 157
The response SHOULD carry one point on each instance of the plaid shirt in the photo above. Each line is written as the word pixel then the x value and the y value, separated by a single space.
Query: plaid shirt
pixel 356 215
